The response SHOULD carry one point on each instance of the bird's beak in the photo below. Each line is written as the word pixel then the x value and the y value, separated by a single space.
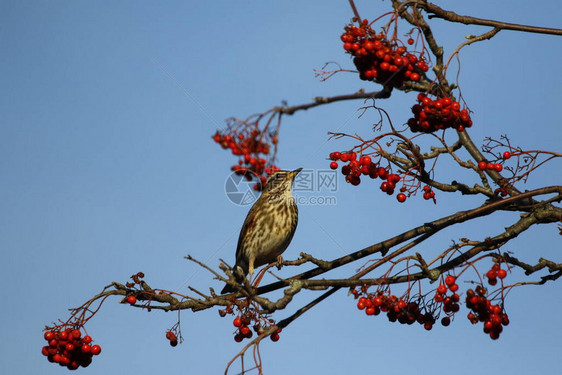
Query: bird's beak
pixel 296 172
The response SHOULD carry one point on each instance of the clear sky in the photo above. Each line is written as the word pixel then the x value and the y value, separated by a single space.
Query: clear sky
pixel 107 168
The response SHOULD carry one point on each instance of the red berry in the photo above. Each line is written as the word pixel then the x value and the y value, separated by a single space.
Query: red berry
pixel 96 349
pixel 131 299
pixel 442 289
pixel 87 339
pixel 361 303
pixel 385 186
pixel 237 322
pixel 506 155
pixel 334 165
pixel 498 167
pixel 49 335
pixel 410 41
pixel 446 321
pixel 482 165
pixel 505 320
pixel 365 160
pixel 491 274
pixel 365 169
pixel 502 274
pixel 354 180
pixel 450 280
pixel 274 337
pixel 401 197
pixel 86 348
pixel 393 178
pixel 244 330
pixel 454 287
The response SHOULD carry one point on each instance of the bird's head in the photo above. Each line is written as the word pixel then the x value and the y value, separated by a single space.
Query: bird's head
pixel 280 182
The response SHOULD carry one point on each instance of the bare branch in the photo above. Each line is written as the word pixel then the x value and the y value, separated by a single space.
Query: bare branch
pixel 437 12
pixel 361 94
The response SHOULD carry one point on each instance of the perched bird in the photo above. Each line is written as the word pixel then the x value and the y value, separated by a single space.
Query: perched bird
pixel 269 226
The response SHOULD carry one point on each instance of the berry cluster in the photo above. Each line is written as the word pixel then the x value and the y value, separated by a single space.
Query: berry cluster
pixel 379 59
pixel 355 167
pixel 249 317
pixel 428 193
pixel 244 330
pixel 171 336
pixel 484 165
pixel 495 273
pixel 397 309
pixel 431 115
pixel 243 324
pixel 365 166
pixel 253 149
pixel 69 349
pixel 450 303
pixel 483 310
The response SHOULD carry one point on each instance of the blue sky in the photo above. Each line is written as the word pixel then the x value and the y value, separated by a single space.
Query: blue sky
pixel 108 169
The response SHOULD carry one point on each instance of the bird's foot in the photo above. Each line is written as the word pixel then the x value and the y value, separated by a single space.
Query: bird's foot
pixel 279 262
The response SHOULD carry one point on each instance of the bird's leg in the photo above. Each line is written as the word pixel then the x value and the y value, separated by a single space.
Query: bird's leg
pixel 250 268
pixel 279 262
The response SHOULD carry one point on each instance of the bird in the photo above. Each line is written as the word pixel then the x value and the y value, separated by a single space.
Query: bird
pixel 268 228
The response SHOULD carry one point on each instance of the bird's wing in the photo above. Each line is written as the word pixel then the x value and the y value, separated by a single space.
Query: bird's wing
pixel 249 223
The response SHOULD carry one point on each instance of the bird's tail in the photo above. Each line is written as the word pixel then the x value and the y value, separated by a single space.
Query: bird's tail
pixel 227 289
pixel 238 275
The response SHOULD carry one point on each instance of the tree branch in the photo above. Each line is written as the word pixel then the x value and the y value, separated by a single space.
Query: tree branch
pixel 438 12
pixel 361 94
pixel 430 228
